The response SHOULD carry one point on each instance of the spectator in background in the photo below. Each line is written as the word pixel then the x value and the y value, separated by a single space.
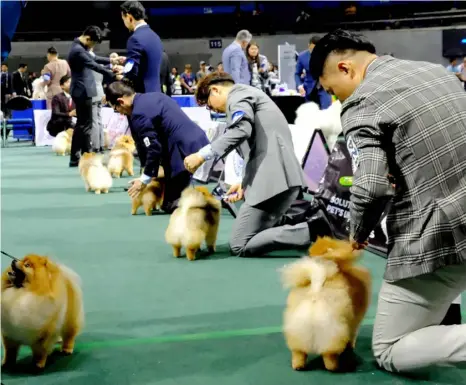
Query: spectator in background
pixel 454 67
pixel 144 49
pixel 272 78
pixel 176 82
pixel 258 66
pixel 54 70
pixel 220 67
pixel 307 87
pixel 7 88
pixel 188 82
pixel 63 109
pixel 202 71
pixel 20 81
pixel 234 59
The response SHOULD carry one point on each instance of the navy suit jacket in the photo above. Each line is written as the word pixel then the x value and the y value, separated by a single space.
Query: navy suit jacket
pixel 82 64
pixel 321 96
pixel 163 133
pixel 145 52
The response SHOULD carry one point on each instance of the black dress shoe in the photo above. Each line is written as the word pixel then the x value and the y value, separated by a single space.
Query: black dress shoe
pixel 74 164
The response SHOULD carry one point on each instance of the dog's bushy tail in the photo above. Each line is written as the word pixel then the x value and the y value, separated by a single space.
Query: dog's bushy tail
pixel 308 272
pixel 335 250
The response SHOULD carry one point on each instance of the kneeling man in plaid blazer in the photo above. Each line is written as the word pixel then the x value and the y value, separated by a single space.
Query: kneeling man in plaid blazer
pixel 405 127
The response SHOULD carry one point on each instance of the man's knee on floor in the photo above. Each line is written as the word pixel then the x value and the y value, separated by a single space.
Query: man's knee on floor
pixel 237 250
pixel 382 355
pixel 237 247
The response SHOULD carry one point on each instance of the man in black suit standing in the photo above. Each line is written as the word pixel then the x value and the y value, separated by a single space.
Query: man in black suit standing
pixel 144 49
pixel 20 81
pixel 7 87
pixel 83 87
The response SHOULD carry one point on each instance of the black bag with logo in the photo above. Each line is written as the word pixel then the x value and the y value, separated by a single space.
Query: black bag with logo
pixel 328 212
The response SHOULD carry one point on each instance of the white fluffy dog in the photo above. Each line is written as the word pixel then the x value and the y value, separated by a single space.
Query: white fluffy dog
pixel 62 142
pixel 309 118
pixel 96 176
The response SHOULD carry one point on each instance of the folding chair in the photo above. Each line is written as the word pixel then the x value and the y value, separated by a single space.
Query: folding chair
pixel 16 104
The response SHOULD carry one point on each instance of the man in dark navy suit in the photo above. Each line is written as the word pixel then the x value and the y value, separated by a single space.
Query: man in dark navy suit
pixel 164 136
pixel 83 87
pixel 144 50
pixel 307 87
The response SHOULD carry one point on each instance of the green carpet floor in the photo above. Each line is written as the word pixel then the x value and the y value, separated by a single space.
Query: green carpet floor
pixel 152 319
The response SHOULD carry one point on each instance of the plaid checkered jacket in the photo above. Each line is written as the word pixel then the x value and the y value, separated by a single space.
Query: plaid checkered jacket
pixel 408 120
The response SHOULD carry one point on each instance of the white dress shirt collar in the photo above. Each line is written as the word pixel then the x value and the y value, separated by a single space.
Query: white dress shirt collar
pixel 139 25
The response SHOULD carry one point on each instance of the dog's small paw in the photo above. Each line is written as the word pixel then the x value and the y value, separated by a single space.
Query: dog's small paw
pixel 67 352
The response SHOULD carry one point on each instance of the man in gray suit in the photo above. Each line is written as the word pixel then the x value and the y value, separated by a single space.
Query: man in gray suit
pixel 405 127
pixel 234 59
pixel 272 178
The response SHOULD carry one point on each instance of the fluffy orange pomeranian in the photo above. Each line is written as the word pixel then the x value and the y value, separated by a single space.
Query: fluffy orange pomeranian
pixel 95 175
pixel 329 296
pixel 41 304
pixel 194 222
pixel 62 142
pixel 151 198
pixel 121 156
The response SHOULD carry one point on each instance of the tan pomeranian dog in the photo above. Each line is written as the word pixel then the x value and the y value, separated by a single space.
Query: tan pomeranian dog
pixel 41 304
pixel 121 156
pixel 62 143
pixel 194 222
pixel 95 175
pixel 329 296
pixel 151 198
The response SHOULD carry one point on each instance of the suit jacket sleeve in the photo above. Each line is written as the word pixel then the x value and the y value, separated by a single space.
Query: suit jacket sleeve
pixel 148 138
pixel 299 71
pixel 134 55
pixel 240 127
pixel 371 190
pixel 235 63
pixel 102 60
pixel 89 62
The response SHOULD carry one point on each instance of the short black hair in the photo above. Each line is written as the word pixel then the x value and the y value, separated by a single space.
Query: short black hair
pixel 4 64
pixel 22 65
pixel 94 33
pixel 203 87
pixel 337 41
pixel 314 40
pixel 117 90
pixel 64 79
pixel 52 51
pixel 133 8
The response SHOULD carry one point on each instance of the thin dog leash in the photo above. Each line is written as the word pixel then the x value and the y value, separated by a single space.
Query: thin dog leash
pixel 9 256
